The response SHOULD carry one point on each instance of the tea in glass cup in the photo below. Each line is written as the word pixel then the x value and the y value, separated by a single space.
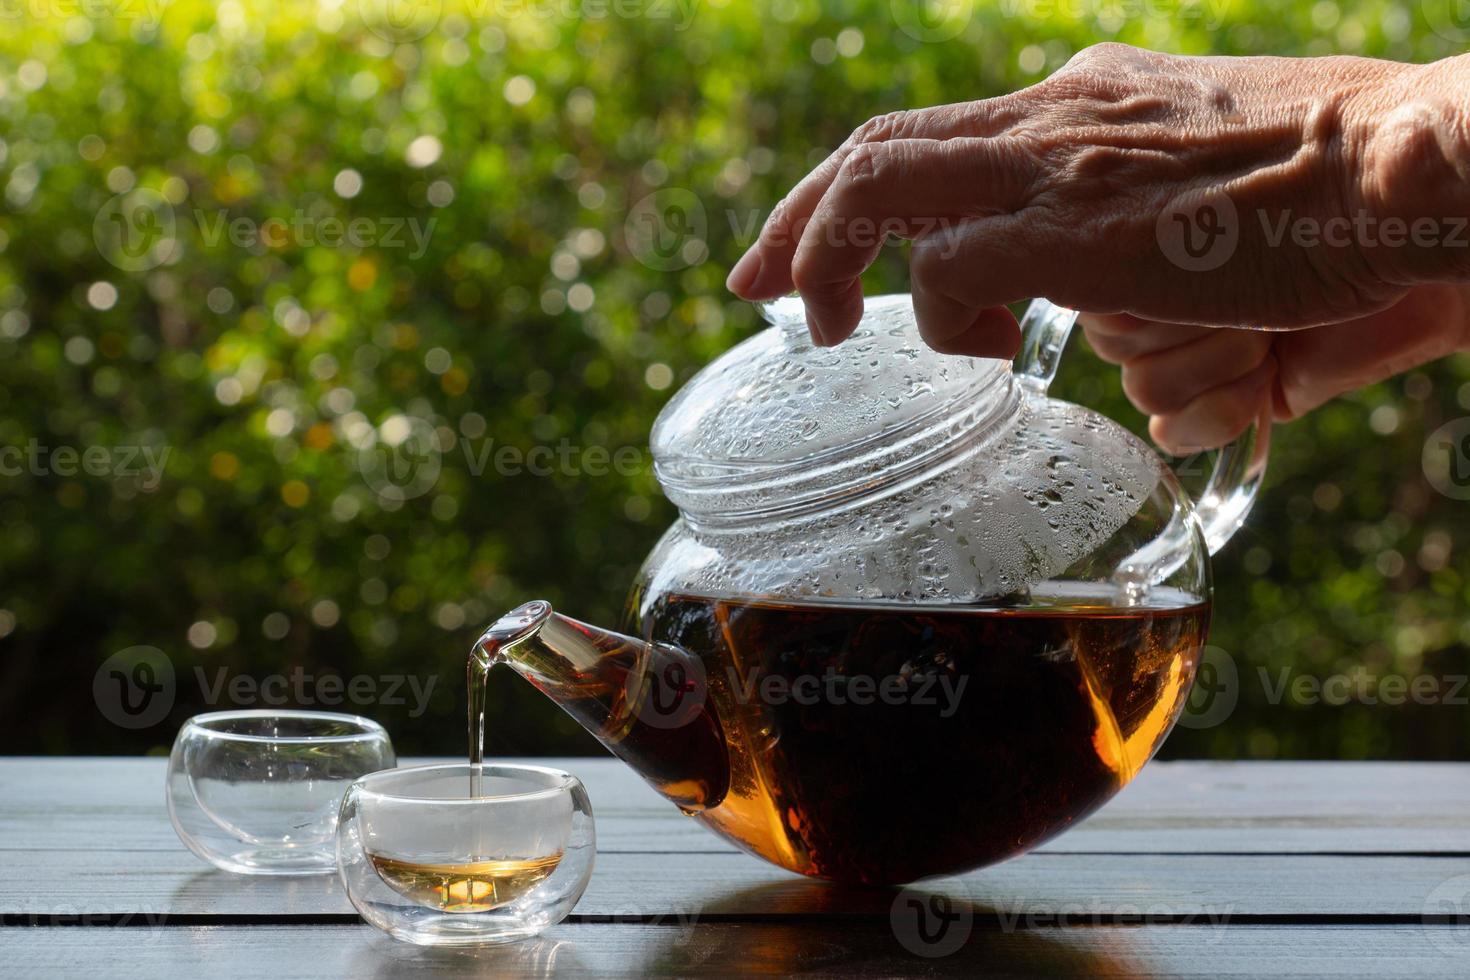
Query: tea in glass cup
pixel 428 863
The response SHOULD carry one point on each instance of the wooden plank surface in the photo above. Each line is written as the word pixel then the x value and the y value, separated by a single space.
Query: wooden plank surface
pixel 52 886
pixel 1198 869
pixel 92 838
pixel 302 952
pixel 1173 807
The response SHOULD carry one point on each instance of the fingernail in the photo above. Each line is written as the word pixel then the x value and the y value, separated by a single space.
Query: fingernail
pixel 815 329
pixel 745 273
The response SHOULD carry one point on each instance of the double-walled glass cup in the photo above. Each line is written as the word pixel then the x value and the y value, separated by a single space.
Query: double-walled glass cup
pixel 258 792
pixel 428 863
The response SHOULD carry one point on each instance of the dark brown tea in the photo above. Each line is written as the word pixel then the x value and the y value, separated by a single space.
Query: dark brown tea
pixel 639 699
pixel 882 743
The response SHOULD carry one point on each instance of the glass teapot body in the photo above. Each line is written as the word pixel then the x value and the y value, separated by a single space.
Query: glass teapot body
pixel 898 635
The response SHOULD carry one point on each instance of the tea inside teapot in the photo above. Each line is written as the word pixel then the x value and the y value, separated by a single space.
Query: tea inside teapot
pixel 883 742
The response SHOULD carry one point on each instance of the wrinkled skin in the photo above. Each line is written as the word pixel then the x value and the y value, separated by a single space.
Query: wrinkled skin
pixel 1068 190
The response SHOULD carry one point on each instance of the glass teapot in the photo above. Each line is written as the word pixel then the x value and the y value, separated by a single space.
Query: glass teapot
pixel 915 616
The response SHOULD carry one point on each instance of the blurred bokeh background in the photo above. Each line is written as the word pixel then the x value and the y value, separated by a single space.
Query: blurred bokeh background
pixel 287 289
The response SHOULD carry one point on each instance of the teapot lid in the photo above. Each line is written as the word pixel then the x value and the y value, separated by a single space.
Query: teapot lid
pixel 779 409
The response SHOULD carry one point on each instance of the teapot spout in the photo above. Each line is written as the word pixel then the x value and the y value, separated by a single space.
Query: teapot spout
pixel 648 703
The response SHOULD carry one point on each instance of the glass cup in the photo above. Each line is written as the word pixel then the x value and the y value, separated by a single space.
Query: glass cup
pixel 258 792
pixel 427 863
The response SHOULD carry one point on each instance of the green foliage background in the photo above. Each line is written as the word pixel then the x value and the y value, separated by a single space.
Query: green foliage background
pixel 527 321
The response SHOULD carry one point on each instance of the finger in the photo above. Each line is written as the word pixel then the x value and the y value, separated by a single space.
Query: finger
pixel 1217 416
pixel 764 272
pixel 993 332
pixel 1170 379
pixel 960 274
pixel 1120 337
pixel 906 188
pixel 1324 362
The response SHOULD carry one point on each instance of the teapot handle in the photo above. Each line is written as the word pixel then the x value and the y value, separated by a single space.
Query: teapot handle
pixel 1226 499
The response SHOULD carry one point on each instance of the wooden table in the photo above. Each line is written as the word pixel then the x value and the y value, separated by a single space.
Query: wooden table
pixel 1210 869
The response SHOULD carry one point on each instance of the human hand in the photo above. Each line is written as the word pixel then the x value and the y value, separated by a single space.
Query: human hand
pixel 1202 386
pixel 1061 190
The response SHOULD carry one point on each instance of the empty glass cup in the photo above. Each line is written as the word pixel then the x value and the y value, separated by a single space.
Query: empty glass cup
pixel 427 863
pixel 258 792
